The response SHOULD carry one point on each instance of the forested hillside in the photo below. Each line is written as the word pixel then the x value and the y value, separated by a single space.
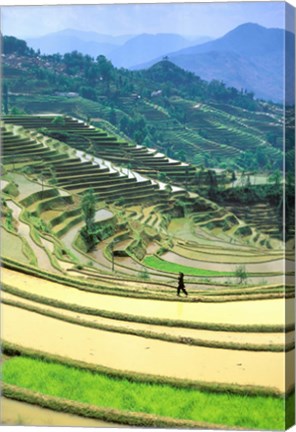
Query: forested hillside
pixel 163 107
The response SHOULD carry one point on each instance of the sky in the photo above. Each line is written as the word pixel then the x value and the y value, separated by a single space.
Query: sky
pixel 188 19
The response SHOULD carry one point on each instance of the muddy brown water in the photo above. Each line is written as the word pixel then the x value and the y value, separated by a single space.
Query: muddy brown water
pixel 16 413
pixel 263 312
pixel 24 231
pixel 261 339
pixel 146 356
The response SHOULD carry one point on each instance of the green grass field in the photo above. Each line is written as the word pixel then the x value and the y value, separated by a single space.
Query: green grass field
pixel 57 380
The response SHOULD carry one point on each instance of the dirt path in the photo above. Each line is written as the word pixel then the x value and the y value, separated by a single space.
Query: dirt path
pixel 238 338
pixel 263 312
pixel 133 353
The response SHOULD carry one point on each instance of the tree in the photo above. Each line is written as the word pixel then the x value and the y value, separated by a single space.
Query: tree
pixel 74 62
pixel 261 157
pixel 105 68
pixel 88 92
pixel 275 179
pixel 88 207
pixel 5 98
pixel 92 73
pixel 58 121
pixel 241 274
pixel 233 177
pixel 113 117
pixel 12 45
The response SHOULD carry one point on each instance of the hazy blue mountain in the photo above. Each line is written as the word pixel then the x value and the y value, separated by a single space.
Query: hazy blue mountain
pixel 95 37
pixel 247 39
pixel 69 40
pixel 248 57
pixel 198 40
pixel 145 47
pixel 123 51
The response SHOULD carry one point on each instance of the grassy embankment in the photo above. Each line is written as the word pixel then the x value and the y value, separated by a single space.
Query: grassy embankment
pixel 54 379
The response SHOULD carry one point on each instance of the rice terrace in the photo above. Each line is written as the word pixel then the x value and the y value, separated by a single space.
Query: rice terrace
pixel 113 182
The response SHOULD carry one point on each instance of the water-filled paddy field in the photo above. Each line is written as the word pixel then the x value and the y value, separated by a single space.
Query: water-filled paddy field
pixel 66 303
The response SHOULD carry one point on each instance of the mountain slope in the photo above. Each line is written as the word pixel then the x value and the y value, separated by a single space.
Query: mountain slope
pixel 247 39
pixel 248 57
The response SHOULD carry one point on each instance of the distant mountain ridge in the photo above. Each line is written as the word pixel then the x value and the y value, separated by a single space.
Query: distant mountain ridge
pixel 69 40
pixel 123 51
pixel 249 57
pixel 247 39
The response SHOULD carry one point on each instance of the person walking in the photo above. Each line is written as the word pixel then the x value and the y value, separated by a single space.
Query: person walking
pixel 181 285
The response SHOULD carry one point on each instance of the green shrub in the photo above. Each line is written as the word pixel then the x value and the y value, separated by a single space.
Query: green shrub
pixel 241 274
pixel 11 189
pixel 104 231
pixel 143 274
pixel 162 251
pixel 39 224
pixel 58 121
pixel 9 220
pixel 243 231
pixel 88 207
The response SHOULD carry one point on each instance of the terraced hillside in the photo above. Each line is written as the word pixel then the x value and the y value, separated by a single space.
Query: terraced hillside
pixel 184 353
pixel 101 144
pixel 202 132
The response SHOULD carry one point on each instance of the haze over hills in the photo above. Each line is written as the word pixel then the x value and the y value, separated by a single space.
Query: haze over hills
pixel 144 47
pixel 69 40
pixel 123 51
pixel 248 57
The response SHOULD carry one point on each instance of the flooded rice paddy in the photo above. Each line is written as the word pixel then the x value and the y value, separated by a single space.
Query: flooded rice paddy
pixel 264 312
pixel 238 338
pixel 145 356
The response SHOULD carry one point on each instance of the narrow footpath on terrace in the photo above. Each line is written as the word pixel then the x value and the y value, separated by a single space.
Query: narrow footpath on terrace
pixel 256 312
pixel 237 340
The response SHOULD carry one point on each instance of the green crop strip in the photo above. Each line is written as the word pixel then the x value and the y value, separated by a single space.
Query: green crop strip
pixel 15 350
pixel 166 266
pixel 159 264
pixel 54 379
